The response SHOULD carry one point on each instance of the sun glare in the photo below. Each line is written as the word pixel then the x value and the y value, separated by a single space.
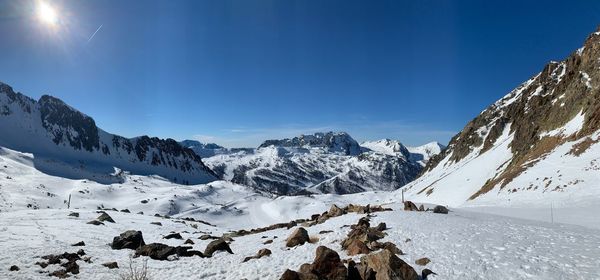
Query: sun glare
pixel 46 13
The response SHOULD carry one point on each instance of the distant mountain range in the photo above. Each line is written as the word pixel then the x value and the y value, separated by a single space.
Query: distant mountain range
pixel 539 144
pixel 67 143
pixel 331 162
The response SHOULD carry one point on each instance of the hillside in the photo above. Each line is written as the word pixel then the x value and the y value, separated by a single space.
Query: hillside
pixel 538 145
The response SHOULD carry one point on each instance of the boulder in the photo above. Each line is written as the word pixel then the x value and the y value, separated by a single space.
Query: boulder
pixel 14 268
pixel 381 227
pixel 174 235
pixel 422 261
pixel 357 247
pixel 386 266
pixel 94 222
pixel 189 241
pixel 298 237
pixel 261 253
pixel 105 218
pixel 327 264
pixel 80 243
pixel 74 214
pixel 130 239
pixel 156 223
pixel 111 265
pixel 217 245
pixel 156 251
pixel 410 206
pixel 440 209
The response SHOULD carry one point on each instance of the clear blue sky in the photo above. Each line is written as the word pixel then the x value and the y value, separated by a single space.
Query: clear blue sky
pixel 238 72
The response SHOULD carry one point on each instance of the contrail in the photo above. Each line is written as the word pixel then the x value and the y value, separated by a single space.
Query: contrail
pixel 92 37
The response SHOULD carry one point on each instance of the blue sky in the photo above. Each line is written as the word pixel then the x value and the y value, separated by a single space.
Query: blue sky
pixel 240 72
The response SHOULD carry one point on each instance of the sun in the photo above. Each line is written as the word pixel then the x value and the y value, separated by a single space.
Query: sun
pixel 46 13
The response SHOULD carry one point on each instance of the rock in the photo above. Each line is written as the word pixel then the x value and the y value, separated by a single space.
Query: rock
pixel 184 251
pixel 87 259
pixel 426 272
pixel 298 237
pixel 353 273
pixel 125 211
pixel 381 227
pixel 156 223
pixel 173 236
pixel 59 274
pixel 156 251
pixel 189 241
pixel 105 218
pixel 392 248
pixel 268 242
pixel 74 214
pixel 80 243
pixel 130 239
pixel 206 237
pixel 409 206
pixel 421 208
pixel 261 253
pixel 80 252
pixel 325 231
pixel 94 222
pixel 327 264
pixel 422 261
pixel 217 245
pixel 140 213
pixel 14 268
pixel 111 265
pixel 440 209
pixel 386 266
pixel 335 211
pixel 357 247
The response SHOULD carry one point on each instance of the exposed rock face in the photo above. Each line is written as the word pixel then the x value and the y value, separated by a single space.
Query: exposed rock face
pixel 56 131
pixel 386 266
pixel 298 237
pixel 217 245
pixel 130 239
pixel 333 141
pixel 330 162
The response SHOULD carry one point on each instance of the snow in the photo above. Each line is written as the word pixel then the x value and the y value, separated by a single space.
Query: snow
pixel 586 79
pixel 570 128
pixel 461 245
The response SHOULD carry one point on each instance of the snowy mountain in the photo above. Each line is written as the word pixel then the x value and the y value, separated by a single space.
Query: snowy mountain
pixel 420 154
pixel 537 145
pixel 204 150
pixel 335 142
pixel 68 143
pixel 330 162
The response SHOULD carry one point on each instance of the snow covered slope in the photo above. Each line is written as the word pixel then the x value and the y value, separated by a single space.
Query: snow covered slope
pixel 56 132
pixel 539 145
pixel 321 163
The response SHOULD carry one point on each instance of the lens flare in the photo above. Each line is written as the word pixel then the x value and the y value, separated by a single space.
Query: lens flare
pixel 47 14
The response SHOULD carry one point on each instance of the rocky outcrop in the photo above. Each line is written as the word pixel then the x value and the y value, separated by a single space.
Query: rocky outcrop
pixel 261 253
pixel 385 265
pixel 326 265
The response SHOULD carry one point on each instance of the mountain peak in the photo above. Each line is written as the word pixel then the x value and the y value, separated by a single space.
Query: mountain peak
pixel 339 142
